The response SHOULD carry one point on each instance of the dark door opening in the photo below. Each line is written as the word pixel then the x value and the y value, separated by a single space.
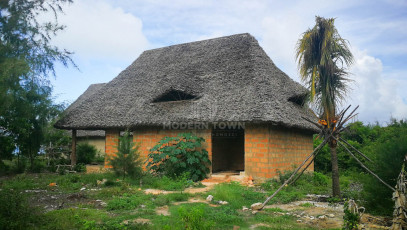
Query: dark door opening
pixel 227 150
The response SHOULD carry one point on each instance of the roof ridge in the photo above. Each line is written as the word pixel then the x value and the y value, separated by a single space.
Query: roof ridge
pixel 200 41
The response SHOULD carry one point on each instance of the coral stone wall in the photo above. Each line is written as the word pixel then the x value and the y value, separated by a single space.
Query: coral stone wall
pixel 269 149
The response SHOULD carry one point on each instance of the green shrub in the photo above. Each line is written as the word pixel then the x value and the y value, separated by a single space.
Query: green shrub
pixel 127 160
pixel 236 194
pixel 129 202
pixel 194 218
pixel 350 219
pixel 174 156
pixel 166 183
pixel 80 167
pixel 15 212
pixel 85 153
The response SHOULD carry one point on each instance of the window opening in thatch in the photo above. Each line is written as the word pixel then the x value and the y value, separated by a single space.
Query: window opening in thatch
pixel 175 95
pixel 298 99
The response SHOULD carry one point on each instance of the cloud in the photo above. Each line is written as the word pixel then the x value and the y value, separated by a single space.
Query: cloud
pixel 96 30
pixel 107 35
pixel 104 39
pixel 379 96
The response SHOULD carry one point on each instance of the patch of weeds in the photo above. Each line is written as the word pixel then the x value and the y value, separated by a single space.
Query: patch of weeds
pixel 334 201
pixel 15 212
pixel 129 201
pixel 108 193
pixel 307 205
pixel 166 199
pixel 277 221
pixel 22 182
pixel 161 200
pixel 275 210
pixel 166 183
pixel 236 194
pixel 199 216
pixel 194 217
pixel 178 197
pixel 110 183
pixel 73 219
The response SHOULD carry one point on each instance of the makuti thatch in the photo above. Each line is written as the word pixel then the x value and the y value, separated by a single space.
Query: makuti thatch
pixel 93 88
pixel 231 79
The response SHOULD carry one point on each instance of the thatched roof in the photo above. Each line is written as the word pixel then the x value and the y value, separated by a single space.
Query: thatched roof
pixel 228 79
pixel 90 133
pixel 87 94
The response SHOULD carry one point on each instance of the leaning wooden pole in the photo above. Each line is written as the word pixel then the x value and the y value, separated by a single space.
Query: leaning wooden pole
pixel 294 173
pixel 306 167
pixel 363 155
pixel 366 168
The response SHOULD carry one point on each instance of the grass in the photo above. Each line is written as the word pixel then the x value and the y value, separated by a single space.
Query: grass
pixel 236 194
pixel 307 205
pixel 126 202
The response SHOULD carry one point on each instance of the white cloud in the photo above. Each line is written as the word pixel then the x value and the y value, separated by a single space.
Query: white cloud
pixel 111 32
pixel 96 30
pixel 105 40
pixel 379 97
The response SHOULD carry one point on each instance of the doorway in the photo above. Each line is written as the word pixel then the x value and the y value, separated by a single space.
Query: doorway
pixel 227 150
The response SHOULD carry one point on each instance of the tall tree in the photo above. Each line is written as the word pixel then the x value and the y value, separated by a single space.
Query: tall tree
pixel 323 58
pixel 27 58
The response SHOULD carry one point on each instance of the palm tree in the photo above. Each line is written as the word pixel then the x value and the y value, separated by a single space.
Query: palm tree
pixel 323 57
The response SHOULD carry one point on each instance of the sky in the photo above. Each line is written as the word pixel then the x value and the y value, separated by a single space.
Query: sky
pixel 107 35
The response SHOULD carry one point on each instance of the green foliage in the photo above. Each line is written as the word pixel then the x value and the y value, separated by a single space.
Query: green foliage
pixel 307 205
pixel 319 53
pixel 15 212
pixel 194 218
pixel 129 201
pixel 167 183
pixel 26 59
pixel 80 167
pixel 174 156
pixel 236 194
pixel 386 146
pixel 350 219
pixel 85 153
pixel 127 161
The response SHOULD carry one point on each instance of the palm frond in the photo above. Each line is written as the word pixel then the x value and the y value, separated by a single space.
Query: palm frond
pixel 323 57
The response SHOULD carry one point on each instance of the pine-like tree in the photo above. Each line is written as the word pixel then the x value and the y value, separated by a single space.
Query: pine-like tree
pixel 127 161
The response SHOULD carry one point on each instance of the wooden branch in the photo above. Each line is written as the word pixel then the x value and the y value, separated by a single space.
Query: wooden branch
pixel 342 114
pixel 303 170
pixel 367 169
pixel 316 124
pixel 292 175
pixel 363 155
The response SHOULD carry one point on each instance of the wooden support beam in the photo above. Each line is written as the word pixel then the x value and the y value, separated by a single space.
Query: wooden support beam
pixel 73 153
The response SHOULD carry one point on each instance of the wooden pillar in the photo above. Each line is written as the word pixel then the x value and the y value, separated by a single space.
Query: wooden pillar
pixel 73 153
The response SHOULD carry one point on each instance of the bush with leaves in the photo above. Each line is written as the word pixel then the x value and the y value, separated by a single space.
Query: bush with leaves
pixel 174 156
pixel 127 161
pixel 86 153
pixel 15 212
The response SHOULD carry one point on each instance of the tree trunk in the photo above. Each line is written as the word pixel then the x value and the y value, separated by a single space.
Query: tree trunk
pixel 336 190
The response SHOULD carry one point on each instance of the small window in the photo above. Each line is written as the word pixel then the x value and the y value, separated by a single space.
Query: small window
pixel 298 99
pixel 175 95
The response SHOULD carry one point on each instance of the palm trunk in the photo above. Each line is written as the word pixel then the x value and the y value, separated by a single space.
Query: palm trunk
pixel 336 190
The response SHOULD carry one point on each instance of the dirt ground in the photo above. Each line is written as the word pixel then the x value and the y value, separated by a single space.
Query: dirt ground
pixel 310 212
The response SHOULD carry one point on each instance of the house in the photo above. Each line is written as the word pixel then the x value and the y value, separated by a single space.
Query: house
pixel 92 137
pixel 226 90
